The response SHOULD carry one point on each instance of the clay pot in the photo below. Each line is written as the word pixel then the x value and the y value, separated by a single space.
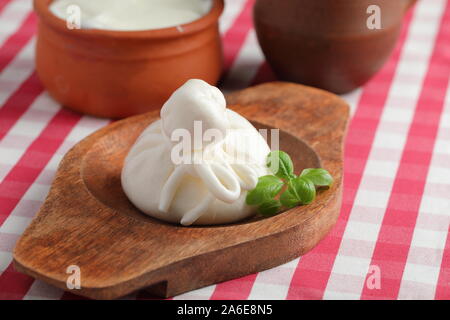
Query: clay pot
pixel 121 73
pixel 327 43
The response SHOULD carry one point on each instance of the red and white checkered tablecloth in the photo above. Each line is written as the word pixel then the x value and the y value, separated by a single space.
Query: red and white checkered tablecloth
pixel 395 215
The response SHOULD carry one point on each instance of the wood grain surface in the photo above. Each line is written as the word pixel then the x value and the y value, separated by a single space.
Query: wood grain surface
pixel 87 220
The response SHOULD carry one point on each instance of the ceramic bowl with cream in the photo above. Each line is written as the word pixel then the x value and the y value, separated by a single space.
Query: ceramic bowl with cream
pixel 125 60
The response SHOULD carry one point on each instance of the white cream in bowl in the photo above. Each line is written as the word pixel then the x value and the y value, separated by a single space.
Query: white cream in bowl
pixel 131 15
pixel 196 164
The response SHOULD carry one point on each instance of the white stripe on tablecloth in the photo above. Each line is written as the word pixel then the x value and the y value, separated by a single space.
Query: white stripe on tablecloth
pixel 40 290
pixel 427 246
pixel 231 11
pixel 401 101
pixel 17 71
pixel 273 284
pixel 5 260
pixel 198 294
pixel 339 295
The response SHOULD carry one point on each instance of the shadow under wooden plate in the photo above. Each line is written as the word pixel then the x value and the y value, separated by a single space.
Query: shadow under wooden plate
pixel 87 220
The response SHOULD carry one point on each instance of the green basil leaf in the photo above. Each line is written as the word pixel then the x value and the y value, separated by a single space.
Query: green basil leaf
pixel 320 177
pixel 267 188
pixel 289 199
pixel 281 164
pixel 269 207
pixel 303 188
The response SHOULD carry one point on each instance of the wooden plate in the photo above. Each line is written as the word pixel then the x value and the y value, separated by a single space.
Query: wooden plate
pixel 87 221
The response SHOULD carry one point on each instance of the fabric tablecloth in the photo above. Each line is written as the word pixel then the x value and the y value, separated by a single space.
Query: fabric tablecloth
pixel 395 217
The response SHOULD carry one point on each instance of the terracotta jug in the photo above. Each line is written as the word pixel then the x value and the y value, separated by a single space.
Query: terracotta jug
pixel 337 45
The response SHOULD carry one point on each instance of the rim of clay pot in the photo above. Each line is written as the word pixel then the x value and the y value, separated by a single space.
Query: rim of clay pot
pixel 42 9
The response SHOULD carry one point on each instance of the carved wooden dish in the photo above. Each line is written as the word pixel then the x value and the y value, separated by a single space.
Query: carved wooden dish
pixel 87 220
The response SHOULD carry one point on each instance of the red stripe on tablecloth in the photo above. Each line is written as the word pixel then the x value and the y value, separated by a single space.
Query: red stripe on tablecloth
pixel 443 286
pixel 19 180
pixel 234 38
pixel 17 40
pixel 3 4
pixel 425 124
pixel 235 289
pixel 18 103
pixel 314 269
pixel 14 284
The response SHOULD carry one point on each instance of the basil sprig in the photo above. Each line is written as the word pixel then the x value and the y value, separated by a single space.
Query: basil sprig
pixel 284 188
